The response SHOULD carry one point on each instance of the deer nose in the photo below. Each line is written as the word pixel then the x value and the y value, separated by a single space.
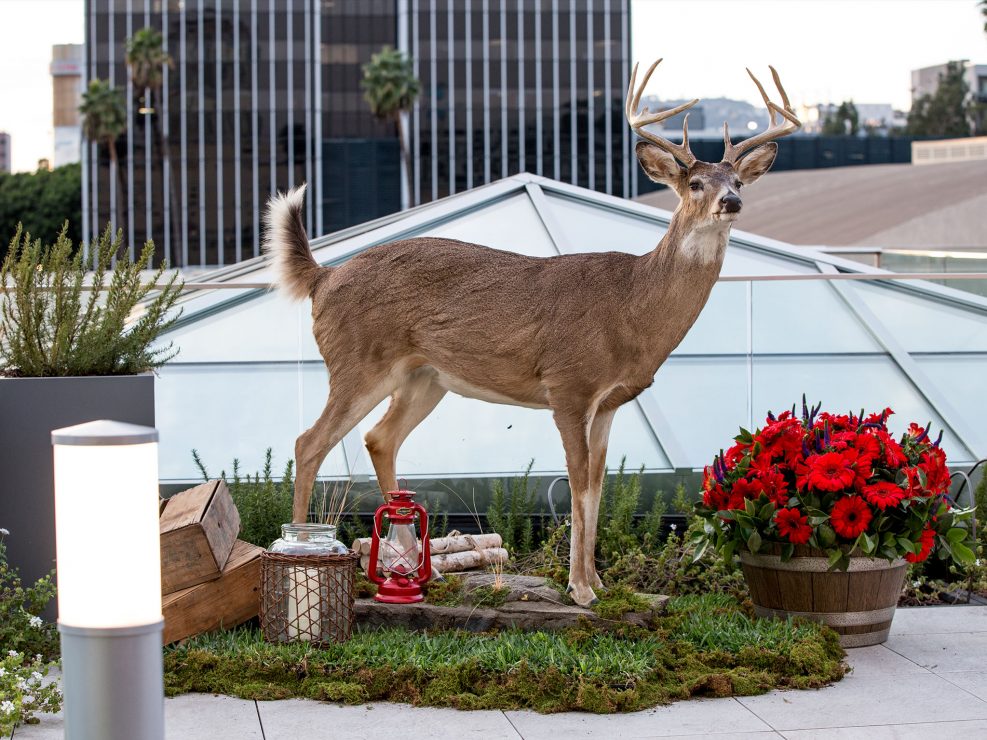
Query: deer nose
pixel 731 203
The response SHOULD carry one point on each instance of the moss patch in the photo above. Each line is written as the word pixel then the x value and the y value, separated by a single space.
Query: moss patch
pixel 623 670
pixel 618 601
pixel 447 592
pixel 488 597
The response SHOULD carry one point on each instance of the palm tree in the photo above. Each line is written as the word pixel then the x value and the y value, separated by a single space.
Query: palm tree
pixel 104 120
pixel 391 89
pixel 147 60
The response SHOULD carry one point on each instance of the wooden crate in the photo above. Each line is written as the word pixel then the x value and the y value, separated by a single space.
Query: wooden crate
pixel 225 602
pixel 198 528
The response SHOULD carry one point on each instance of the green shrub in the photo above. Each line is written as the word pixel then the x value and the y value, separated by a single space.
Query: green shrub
pixel 512 513
pixel 51 326
pixel 29 646
pixel 264 503
pixel 21 627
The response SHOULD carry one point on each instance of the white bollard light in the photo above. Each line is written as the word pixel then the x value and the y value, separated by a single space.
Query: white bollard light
pixel 109 580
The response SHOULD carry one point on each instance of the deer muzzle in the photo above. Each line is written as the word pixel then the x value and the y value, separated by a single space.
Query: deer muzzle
pixel 730 203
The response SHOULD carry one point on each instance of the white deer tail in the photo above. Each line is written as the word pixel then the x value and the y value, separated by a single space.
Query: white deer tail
pixel 287 243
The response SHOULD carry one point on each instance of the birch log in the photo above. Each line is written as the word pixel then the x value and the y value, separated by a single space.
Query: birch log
pixel 457 561
pixel 445 545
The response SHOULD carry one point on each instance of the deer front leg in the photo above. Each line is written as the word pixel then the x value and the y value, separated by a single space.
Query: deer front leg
pixel 410 404
pixel 350 399
pixel 599 433
pixel 574 429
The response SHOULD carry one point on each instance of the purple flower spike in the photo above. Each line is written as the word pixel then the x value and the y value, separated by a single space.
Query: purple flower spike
pixel 938 439
pixel 805 409
pixel 771 417
pixel 826 434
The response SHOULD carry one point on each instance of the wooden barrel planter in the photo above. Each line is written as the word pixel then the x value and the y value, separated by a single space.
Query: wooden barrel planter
pixel 857 604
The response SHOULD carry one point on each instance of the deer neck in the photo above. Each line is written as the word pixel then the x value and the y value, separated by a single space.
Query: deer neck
pixel 675 279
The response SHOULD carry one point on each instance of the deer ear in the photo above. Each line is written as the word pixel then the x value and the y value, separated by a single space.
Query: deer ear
pixel 755 164
pixel 658 164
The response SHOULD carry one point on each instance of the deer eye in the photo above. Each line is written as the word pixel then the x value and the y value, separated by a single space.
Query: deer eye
pixel 695 185
pixel 738 184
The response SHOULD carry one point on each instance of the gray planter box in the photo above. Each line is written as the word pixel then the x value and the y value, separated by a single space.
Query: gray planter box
pixel 29 409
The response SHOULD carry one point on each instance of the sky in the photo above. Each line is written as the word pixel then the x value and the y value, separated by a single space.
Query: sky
pixel 825 51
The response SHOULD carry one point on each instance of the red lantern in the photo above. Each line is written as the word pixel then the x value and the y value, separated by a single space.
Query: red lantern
pixel 405 567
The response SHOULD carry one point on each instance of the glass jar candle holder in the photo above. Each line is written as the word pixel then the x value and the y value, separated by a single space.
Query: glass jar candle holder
pixel 307 586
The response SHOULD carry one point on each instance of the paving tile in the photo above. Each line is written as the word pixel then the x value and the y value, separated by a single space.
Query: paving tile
pixel 858 701
pixel 210 717
pixel 51 728
pixel 684 718
pixel 187 717
pixel 922 731
pixel 296 718
pixel 973 681
pixel 877 660
pixel 928 620
pixel 942 653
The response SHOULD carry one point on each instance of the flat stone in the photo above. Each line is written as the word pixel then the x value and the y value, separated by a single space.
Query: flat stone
pixel 519 588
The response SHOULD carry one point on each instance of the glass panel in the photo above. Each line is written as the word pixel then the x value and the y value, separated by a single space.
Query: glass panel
pixel 589 228
pixel 704 400
pixel 721 328
pixel 961 380
pixel 468 437
pixel 921 324
pixel 744 260
pixel 236 411
pixel 267 327
pixel 511 224
pixel 845 384
pixel 805 317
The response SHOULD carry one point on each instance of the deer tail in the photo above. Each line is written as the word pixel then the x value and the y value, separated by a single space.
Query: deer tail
pixel 286 241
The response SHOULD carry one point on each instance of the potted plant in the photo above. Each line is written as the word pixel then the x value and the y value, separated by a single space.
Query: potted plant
pixel 76 344
pixel 825 511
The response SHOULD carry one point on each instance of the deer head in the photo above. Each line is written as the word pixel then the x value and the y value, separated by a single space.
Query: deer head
pixel 709 193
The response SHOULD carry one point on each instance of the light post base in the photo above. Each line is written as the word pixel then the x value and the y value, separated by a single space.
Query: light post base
pixel 113 682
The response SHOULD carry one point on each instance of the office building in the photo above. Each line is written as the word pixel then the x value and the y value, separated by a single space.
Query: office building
pixel 66 82
pixel 264 95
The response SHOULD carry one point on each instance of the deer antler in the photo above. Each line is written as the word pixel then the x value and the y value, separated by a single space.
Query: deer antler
pixel 788 124
pixel 638 120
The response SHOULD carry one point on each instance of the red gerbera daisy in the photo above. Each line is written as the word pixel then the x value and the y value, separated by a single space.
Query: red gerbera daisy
pixel 883 494
pixel 793 525
pixel 927 539
pixel 850 516
pixel 829 472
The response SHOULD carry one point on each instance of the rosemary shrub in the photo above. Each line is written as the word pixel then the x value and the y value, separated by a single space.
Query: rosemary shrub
pixel 51 325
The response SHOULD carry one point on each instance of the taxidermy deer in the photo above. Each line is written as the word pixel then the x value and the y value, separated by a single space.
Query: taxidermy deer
pixel 579 334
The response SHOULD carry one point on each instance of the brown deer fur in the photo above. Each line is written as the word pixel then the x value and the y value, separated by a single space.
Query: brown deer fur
pixel 578 334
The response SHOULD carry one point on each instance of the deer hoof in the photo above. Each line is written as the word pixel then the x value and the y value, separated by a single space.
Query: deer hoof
pixel 582 595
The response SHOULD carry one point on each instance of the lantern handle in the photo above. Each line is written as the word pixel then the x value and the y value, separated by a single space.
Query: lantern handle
pixel 375 547
pixel 425 564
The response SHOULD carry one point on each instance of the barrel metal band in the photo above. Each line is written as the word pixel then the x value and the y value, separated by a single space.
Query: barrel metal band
pixel 817 565
pixel 833 619
pixel 865 638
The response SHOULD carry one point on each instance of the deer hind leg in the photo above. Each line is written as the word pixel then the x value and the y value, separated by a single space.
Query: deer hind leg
pixel 599 433
pixel 352 395
pixel 410 404
pixel 574 429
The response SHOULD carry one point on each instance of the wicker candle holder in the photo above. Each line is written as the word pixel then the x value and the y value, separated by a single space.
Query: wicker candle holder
pixel 307 598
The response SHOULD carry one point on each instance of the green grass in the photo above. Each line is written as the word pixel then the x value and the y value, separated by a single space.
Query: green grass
pixel 577 669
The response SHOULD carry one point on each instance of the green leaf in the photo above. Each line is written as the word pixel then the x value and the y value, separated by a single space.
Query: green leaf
pixel 826 535
pixel 908 546
pixel 787 550
pixel 754 542
pixel 834 557
pixel 956 535
pixel 767 511
pixel 869 544
pixel 962 554
pixel 750 508
pixel 700 551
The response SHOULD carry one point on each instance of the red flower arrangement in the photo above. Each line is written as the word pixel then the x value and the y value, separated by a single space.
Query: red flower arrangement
pixel 835 482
